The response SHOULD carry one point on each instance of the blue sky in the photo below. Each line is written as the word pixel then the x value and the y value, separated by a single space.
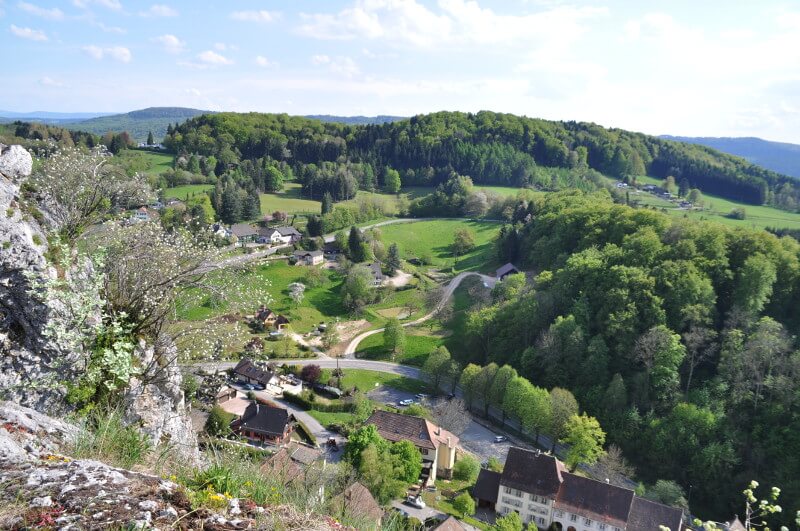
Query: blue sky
pixel 679 67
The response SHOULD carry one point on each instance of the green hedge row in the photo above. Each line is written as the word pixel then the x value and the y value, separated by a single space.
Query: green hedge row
pixel 306 432
pixel 302 401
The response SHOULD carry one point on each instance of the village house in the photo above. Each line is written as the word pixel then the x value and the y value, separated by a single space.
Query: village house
pixel 506 270
pixel 539 487
pixel 357 502
pixel 269 319
pixel 248 372
pixel 225 394
pixel 290 462
pixel 263 424
pixel 450 524
pixel 437 446
pixel 244 232
pixel 278 235
pixel 308 258
pixel 377 274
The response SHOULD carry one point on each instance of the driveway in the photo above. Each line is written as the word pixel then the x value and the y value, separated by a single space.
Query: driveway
pixel 419 514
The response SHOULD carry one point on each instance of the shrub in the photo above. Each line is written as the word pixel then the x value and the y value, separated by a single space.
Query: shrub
pixel 306 402
pixel 218 423
pixel 311 373
pixel 466 469
pixel 464 504
pixel 738 213
pixel 190 386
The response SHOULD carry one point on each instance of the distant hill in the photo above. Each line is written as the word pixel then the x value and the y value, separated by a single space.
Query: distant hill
pixel 49 117
pixel 776 156
pixel 137 123
pixel 356 120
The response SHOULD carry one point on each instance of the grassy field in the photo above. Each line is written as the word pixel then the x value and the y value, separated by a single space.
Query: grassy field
pixel 432 240
pixel 505 191
pixel 717 209
pixel 319 304
pixel 418 347
pixel 289 200
pixel 182 192
pixel 327 419
pixel 146 162
pixel 365 380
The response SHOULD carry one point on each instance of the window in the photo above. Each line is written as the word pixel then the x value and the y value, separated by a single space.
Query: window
pixel 518 493
pixel 601 527
pixel 559 514
pixel 541 521
pixel 507 490
pixel 573 518
pixel 588 522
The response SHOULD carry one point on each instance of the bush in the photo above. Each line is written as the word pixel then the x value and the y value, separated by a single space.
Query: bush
pixel 466 469
pixel 737 213
pixel 190 387
pixel 464 504
pixel 218 423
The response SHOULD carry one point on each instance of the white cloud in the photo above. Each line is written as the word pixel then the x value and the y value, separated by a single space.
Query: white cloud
pixel 255 16
pixel 50 82
pixel 171 43
pixel 117 53
pixel 264 62
pixel 461 22
pixel 345 66
pixel 110 4
pixel 222 46
pixel 28 33
pixel 51 14
pixel 213 58
pixel 159 10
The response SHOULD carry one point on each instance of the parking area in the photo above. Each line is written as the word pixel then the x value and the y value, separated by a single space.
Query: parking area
pixel 419 514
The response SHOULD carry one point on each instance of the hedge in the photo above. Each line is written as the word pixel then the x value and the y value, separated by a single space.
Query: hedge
pixel 310 436
pixel 340 407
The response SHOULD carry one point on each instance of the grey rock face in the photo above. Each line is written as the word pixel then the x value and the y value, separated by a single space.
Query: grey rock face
pixel 15 161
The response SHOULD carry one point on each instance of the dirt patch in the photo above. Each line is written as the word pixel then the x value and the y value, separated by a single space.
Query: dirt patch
pixel 347 330
pixel 399 280
pixel 398 313
pixel 229 318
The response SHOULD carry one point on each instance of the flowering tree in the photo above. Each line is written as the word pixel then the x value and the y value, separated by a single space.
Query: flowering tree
pixel 77 188
pixel 297 291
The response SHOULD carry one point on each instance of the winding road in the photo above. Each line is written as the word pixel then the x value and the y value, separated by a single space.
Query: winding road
pixel 449 289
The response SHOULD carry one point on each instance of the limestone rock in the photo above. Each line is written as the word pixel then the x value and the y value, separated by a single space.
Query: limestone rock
pixel 15 161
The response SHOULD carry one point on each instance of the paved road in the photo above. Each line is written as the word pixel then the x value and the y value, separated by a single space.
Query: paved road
pixel 419 514
pixel 449 289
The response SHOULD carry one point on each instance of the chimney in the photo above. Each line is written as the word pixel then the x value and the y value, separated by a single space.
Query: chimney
pixel 608 481
pixel 448 443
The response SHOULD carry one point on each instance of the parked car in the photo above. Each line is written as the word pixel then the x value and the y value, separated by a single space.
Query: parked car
pixel 500 438
pixel 451 396
pixel 416 502
pixel 259 387
pixel 406 402
pixel 248 387
pixel 421 396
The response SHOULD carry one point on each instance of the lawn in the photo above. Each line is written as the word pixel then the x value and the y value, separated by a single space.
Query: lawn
pixel 289 200
pixel 245 287
pixel 505 191
pixel 457 325
pixel 432 239
pixel 186 191
pixel 365 380
pixel 717 209
pixel 327 419
pixel 146 162
pixel 418 347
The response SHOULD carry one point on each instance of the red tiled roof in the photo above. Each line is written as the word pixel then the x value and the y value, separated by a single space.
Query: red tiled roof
pixel 594 499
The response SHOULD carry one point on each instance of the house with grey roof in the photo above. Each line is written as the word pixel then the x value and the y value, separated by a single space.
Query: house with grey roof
pixel 278 235
pixel 539 487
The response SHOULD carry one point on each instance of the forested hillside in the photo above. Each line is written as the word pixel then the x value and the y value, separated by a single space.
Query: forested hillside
pixel 776 156
pixel 489 147
pixel 139 123
pixel 680 336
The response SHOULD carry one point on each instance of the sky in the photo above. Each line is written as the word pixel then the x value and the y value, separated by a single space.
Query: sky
pixel 711 68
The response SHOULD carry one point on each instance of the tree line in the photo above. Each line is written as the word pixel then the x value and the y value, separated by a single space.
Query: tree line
pixel 491 148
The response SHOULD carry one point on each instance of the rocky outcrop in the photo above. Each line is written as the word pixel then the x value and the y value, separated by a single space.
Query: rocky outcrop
pixel 15 161
pixel 34 369
pixel 155 401
pixel 29 364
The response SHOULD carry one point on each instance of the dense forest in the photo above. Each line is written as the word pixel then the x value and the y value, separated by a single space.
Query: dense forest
pixel 679 336
pixel 491 148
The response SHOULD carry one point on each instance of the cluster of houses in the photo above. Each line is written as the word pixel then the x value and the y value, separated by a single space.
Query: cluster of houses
pixel 538 487
pixel 534 484
pixel 247 233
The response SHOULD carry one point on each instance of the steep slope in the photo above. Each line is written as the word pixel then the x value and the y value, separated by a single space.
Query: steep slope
pixel 781 157
pixel 137 123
